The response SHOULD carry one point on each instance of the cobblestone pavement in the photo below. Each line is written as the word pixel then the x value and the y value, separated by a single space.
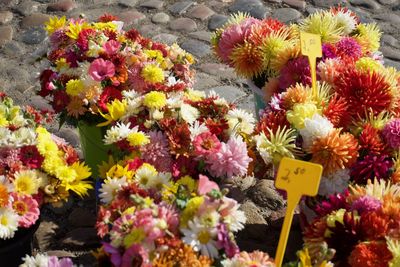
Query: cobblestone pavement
pixel 189 23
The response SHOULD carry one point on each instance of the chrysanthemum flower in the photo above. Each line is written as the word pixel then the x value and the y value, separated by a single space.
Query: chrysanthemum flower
pixel 55 23
pixel 240 121
pixel 26 182
pixel 206 143
pixel 366 204
pixel 367 64
pixel 370 254
pixel 75 107
pixel 335 151
pixel 348 47
pixel 152 74
pixel 8 223
pixel 368 36
pixel 4 196
pixel 391 132
pixel 27 208
pixel 371 141
pixel 364 91
pixel 245 259
pixel 74 87
pixel 154 100
pixel 345 19
pixel 231 160
pixel 157 151
pixel 110 187
pixel 297 93
pixel 30 157
pixel 272 121
pixel 138 139
pixel 295 71
pixel 247 59
pixel 315 127
pixel 370 167
pixel 323 23
pixel 300 112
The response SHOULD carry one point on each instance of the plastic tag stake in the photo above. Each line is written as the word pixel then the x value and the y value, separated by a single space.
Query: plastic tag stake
pixel 312 48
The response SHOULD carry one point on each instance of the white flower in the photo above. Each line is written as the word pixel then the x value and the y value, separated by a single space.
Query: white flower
pixel 130 94
pixel 118 132
pixel 145 176
pixel 334 183
pixel 201 238
pixel 315 127
pixel 18 120
pixel 133 107
pixel 264 153
pixel 120 24
pixel 156 114
pixel 197 128
pixel 40 260
pixel 161 179
pixel 189 113
pixel 276 101
pixel 8 223
pixel 171 81
pixel 175 100
pixel 5 133
pixel 110 187
pixel 23 137
pixel 346 21
pixel 240 121
pixel 220 101
pixel 236 219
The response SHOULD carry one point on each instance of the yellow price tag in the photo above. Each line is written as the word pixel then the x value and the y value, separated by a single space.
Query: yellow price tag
pixel 297 178
pixel 312 48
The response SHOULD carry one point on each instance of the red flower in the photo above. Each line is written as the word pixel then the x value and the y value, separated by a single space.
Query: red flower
pixel 133 35
pixel 374 224
pixel 108 17
pixel 135 164
pixel 364 91
pixel 30 157
pixel 370 140
pixel 272 120
pixel 60 100
pixel 336 111
pixel 372 254
pixel 216 126
pixel 109 94
pixel 83 38
pixel 184 166
pixel 161 48
pixel 45 82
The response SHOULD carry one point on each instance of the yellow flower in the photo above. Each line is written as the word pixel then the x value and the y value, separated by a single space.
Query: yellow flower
pixel 191 209
pixel 115 111
pixel 74 87
pixel 82 171
pixel 66 175
pixel 154 54
pixel 26 182
pixel 189 182
pixel 138 139
pixel 368 64
pixel 54 24
pixel 134 237
pixel 105 166
pixel 194 95
pixel 47 147
pixel 105 25
pixel 61 63
pixel 304 257
pixel 368 36
pixel 52 163
pixel 300 112
pixel 152 74
pixel 74 30
pixel 3 119
pixel 118 171
pixel 155 100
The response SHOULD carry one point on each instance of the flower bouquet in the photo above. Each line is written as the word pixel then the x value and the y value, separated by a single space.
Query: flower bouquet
pixel 36 167
pixel 92 64
pixel 184 132
pixel 44 260
pixel 149 219
pixel 359 227
pixel 267 52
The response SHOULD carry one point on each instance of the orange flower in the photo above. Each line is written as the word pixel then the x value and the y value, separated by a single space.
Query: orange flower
pixel 396 176
pixel 391 206
pixel 75 108
pixel 375 225
pixel 335 151
pixel 373 254
pixel 3 196
pixel 248 60
pixel 295 94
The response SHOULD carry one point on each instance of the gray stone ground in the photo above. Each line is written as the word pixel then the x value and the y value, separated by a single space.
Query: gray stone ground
pixel 69 231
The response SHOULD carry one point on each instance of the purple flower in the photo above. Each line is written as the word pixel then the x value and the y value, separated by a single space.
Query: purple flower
pixel 372 166
pixel 349 47
pixel 295 71
pixel 365 204
pixel 391 132
pixel 225 242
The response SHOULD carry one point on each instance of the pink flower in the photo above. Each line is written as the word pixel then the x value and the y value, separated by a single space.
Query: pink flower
pixel 234 35
pixel 391 132
pixel 206 143
pixel 231 160
pixel 101 69
pixel 27 208
pixel 115 255
pixel 111 47
pixel 205 185
pixel 170 216
pixel 157 152
pixel 55 262
pixel 295 71
pixel 136 255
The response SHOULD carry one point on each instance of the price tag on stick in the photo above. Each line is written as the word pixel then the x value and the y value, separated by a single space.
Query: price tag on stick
pixel 311 47
pixel 297 178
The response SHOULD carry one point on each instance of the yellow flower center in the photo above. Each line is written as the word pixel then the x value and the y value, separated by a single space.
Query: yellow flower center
pixel 204 237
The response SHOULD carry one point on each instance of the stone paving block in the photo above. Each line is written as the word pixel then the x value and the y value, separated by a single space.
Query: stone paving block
pixel 299 4
pixel 328 3
pixel 5 17
pixel 153 4
pixel 204 81
pixel 391 53
pixel 180 7
pixel 161 18
pixel 230 93
pixel 219 70
pixel 255 8
pixel 201 12
pixel 27 7
pixel 127 3
pixel 165 38
pixel 6 34
pixel 197 48
pixel 149 30
pixel 183 25
pixel 286 14
pixel 34 35
pixel 62 5
pixel 34 20
pixel 217 21
pixel 202 35
pixel 131 17
pixel 366 3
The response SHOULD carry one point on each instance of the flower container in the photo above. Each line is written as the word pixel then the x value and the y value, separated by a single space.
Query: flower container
pixel 92 145
pixel 259 103
pixel 13 250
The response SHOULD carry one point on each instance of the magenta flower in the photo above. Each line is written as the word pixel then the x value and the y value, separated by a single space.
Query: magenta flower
pixel 295 71
pixel 391 132
pixel 231 160
pixel 157 152
pixel 136 255
pixel 206 143
pixel 101 69
pixel 372 166
pixel 365 204
pixel 348 47
pixel 111 47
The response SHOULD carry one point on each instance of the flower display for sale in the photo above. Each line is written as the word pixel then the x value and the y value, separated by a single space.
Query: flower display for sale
pixel 359 227
pixel 43 260
pixel 268 52
pixel 185 132
pixel 350 124
pixel 92 63
pixel 151 219
pixel 36 167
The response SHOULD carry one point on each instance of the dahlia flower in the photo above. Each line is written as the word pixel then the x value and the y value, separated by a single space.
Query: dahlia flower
pixel 391 132
pixel 157 151
pixel 206 143
pixel 370 167
pixel 315 127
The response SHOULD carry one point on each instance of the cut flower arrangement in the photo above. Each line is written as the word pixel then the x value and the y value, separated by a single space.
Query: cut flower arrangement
pixel 93 63
pixel 367 217
pixel 185 132
pixel 351 123
pixel 36 167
